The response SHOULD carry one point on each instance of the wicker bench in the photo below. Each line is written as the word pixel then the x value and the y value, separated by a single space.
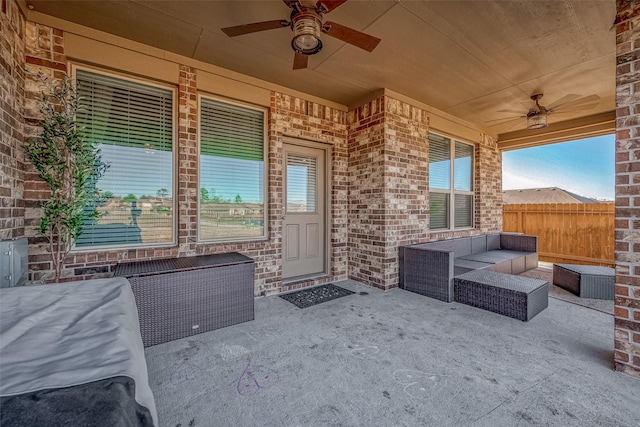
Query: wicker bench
pixel 180 297
pixel 586 281
pixel 515 296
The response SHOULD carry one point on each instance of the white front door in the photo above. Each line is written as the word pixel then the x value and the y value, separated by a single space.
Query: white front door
pixel 304 212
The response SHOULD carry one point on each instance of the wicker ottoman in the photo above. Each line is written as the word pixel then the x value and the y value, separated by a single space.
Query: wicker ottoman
pixel 180 297
pixel 586 281
pixel 514 296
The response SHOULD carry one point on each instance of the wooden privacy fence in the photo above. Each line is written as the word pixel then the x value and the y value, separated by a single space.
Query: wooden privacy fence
pixel 572 233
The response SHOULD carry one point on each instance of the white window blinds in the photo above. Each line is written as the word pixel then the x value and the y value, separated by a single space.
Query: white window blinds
pixel 438 210
pixel 302 178
pixel 450 206
pixel 439 162
pixel 132 124
pixel 462 166
pixel 232 183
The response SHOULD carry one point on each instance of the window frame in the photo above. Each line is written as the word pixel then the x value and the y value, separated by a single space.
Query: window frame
pixel 174 157
pixel 452 192
pixel 265 171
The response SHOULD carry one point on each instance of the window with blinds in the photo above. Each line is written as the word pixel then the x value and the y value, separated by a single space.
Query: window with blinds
pixel 450 206
pixel 232 175
pixel 439 162
pixel 132 125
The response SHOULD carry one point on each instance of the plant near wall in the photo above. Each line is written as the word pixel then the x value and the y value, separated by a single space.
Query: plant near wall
pixel 71 168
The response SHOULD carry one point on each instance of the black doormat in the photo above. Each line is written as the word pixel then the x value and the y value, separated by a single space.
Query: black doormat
pixel 312 296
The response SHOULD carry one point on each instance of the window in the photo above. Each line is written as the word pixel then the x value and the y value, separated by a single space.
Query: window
pixel 232 173
pixel 302 178
pixel 450 183
pixel 132 124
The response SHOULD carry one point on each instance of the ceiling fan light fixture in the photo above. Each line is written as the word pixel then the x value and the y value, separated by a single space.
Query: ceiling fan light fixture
pixel 537 120
pixel 306 28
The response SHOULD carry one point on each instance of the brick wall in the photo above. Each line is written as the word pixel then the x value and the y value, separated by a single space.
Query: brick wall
pixel 379 187
pixel 388 196
pixel 187 161
pixel 45 62
pixel 406 178
pixel 488 186
pixel 389 190
pixel 627 223
pixel 12 31
pixel 288 117
pixel 367 230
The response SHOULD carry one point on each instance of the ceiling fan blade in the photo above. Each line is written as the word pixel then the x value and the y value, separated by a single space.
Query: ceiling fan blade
pixel 351 36
pixel 514 124
pixel 591 99
pixel 503 120
pixel 328 5
pixel 520 112
pixel 572 108
pixel 508 124
pixel 239 30
pixel 300 61
pixel 563 100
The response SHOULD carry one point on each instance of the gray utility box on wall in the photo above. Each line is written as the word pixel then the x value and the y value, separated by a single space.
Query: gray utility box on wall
pixel 13 262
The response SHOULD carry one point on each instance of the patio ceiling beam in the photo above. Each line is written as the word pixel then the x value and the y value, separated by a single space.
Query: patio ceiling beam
pixel 584 127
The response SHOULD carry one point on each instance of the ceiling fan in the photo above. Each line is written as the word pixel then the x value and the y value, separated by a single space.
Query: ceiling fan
pixel 306 24
pixel 538 114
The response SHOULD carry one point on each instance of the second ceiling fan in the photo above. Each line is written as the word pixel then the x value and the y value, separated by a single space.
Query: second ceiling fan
pixel 307 25
pixel 537 114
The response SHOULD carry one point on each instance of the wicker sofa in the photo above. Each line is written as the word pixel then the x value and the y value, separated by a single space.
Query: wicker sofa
pixel 429 268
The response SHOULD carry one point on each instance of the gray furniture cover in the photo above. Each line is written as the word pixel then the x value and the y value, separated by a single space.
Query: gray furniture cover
pixel 60 343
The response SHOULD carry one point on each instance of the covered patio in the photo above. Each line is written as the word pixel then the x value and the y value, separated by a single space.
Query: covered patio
pixel 450 83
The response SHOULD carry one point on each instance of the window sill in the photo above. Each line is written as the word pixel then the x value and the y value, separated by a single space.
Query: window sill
pixel 115 248
pixel 231 241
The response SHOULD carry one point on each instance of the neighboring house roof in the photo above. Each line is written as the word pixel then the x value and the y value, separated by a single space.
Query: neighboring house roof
pixel 543 195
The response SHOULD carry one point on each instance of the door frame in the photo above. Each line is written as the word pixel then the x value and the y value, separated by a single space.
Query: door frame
pixel 328 202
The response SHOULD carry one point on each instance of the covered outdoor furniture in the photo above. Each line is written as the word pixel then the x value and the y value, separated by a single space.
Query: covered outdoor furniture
pixel 429 268
pixel 586 281
pixel 71 354
pixel 519 297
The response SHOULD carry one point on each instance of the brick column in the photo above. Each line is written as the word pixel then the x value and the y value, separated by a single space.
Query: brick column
pixel 627 223
pixel 187 161
pixel 366 193
pixel 388 167
pixel 12 30
pixel 488 186
pixel 45 59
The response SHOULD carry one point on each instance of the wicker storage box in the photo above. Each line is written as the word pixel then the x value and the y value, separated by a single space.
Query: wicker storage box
pixel 180 297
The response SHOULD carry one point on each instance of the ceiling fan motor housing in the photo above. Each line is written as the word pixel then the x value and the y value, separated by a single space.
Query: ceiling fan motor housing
pixel 537 119
pixel 306 26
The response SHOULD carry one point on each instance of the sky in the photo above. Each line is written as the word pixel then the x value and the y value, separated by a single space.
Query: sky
pixel 585 167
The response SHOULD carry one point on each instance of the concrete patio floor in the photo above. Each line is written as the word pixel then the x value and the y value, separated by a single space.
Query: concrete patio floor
pixel 396 358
